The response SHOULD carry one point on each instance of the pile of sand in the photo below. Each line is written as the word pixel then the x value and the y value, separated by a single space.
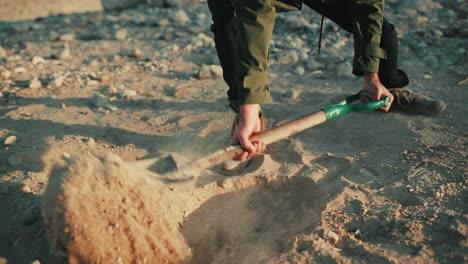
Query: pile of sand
pixel 97 211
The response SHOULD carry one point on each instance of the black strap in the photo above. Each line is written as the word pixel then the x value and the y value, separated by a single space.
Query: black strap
pixel 320 35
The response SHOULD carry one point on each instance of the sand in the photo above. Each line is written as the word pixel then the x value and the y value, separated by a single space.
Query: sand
pixel 364 188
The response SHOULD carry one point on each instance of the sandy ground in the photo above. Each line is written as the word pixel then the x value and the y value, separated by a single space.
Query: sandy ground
pixel 364 188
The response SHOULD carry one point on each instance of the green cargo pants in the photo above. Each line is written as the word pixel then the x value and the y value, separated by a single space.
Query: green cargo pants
pixel 243 47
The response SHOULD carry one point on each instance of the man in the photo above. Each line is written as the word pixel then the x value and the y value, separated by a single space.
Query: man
pixel 242 33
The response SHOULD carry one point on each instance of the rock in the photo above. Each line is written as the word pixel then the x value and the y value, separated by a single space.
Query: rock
pixel 19 70
pixel 92 82
pixel 303 55
pixel 345 69
pixel 217 70
pixel 25 189
pixel 64 54
pixel 3 52
pixel 299 71
pixel 35 84
pixel 163 22
pixel 67 37
pixel 180 17
pixel 128 93
pixel 331 236
pixel 292 94
pixel 91 142
pixel 10 141
pixel 112 89
pixel 58 81
pixel 38 60
pixel 14 160
pixel 427 76
pixel 312 64
pixel 121 34
pixel 136 53
pixel 204 72
pixel 290 57
pixel 6 74
pixel 119 4
pixel 201 19
pixel 99 100
pixel 66 155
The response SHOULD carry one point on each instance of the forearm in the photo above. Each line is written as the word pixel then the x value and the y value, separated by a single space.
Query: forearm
pixel 256 21
pixel 368 20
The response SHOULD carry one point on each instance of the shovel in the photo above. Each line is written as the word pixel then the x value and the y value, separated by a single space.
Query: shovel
pixel 190 170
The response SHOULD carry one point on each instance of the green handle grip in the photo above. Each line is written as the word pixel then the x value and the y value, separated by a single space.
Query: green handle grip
pixel 347 106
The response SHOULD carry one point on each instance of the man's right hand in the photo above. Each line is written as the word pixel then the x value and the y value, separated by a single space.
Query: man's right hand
pixel 249 125
pixel 373 85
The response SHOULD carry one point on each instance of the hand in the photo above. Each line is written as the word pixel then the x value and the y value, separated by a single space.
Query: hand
pixel 249 125
pixel 373 85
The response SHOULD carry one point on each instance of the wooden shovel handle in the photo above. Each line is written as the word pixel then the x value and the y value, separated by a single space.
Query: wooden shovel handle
pixel 290 128
pixel 268 136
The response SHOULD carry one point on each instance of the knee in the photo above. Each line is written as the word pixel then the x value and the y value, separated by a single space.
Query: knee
pixel 388 30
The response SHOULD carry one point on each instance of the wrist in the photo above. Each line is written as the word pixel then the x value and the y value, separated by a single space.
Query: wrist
pixel 249 108
pixel 371 77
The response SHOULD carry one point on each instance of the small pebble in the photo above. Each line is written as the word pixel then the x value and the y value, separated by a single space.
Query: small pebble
pixel 121 34
pixel 100 101
pixel 91 142
pixel 66 155
pixel 217 70
pixel 10 141
pixel 136 53
pixel 289 58
pixel 3 52
pixel 25 189
pixel 58 81
pixel 292 94
pixel 38 60
pixel 299 71
pixel 128 93
pixel 35 84
pixel 331 236
pixel 345 70
pixel 19 70
pixel 67 37
pixel 204 72
pixel 6 74
pixel 64 54
pixel 180 17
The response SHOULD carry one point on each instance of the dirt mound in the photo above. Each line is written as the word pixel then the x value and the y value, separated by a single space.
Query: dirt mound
pixel 97 211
